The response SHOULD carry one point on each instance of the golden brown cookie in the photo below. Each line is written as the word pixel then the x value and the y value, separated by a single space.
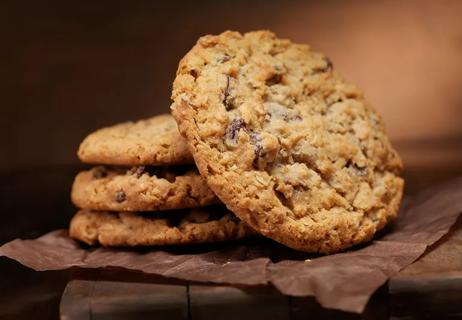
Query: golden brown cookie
pixel 285 142
pixel 211 224
pixel 141 188
pixel 154 141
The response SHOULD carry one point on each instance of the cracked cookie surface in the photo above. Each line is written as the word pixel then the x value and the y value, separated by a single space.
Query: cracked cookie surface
pixel 153 141
pixel 285 142
pixel 141 188
pixel 188 226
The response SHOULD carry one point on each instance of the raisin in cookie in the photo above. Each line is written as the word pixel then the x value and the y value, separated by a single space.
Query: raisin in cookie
pixel 285 142
pixel 180 227
pixel 141 189
pixel 154 141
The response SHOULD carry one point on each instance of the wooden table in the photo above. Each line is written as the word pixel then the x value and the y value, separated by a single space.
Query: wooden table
pixel 37 294
pixel 429 288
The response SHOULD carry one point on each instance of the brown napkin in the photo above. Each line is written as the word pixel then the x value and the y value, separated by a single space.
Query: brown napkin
pixel 342 281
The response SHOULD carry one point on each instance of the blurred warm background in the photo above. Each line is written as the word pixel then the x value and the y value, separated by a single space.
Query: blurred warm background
pixel 70 67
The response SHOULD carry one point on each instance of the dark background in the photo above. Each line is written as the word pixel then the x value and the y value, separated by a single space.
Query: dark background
pixel 70 67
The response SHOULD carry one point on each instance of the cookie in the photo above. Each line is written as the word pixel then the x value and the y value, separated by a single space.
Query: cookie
pixel 187 226
pixel 141 188
pixel 285 142
pixel 154 141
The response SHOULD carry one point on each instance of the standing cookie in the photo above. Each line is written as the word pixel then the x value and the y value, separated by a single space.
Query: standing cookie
pixel 154 141
pixel 285 142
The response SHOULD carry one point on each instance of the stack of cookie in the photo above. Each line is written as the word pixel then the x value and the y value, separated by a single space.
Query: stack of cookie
pixel 287 144
pixel 146 190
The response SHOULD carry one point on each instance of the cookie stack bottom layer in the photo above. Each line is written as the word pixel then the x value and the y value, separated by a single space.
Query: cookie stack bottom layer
pixel 188 226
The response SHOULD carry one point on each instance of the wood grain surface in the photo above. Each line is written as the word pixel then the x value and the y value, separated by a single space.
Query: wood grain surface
pixel 431 288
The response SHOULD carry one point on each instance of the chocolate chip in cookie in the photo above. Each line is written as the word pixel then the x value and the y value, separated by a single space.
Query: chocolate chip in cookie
pixel 120 196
